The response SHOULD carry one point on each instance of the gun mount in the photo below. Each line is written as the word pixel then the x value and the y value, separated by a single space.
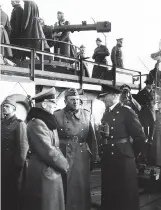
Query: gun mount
pixel 99 27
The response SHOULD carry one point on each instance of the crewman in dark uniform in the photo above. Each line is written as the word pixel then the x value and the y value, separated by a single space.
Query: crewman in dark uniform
pixel 99 56
pixel 76 142
pixel 127 99
pixel 147 115
pixel 116 54
pixel 14 147
pixel 119 178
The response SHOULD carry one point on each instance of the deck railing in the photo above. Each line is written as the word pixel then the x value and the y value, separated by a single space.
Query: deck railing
pixel 78 62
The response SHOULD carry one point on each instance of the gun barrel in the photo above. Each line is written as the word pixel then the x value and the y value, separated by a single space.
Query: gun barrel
pixel 99 27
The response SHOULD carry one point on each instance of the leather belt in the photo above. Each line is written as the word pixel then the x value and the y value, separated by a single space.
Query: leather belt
pixel 116 141
pixel 72 139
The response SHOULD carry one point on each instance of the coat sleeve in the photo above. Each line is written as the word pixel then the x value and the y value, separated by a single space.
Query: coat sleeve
pixel 113 56
pixel 26 15
pixel 8 26
pixel 40 141
pixel 135 130
pixel 18 21
pixel 21 145
pixel 136 105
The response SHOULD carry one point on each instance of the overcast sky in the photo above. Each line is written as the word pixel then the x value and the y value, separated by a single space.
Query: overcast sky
pixel 137 21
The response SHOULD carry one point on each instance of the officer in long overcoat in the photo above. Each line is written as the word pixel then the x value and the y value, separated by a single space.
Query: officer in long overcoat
pixel 76 136
pixel 116 54
pixel 119 178
pixel 44 188
pixel 16 24
pixel 14 147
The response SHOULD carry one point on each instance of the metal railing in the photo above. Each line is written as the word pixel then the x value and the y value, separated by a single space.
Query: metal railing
pixel 73 59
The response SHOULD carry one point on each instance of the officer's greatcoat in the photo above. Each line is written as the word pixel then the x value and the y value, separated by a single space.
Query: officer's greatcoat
pixel 119 178
pixel 75 133
pixel 14 147
pixel 44 188
pixel 116 57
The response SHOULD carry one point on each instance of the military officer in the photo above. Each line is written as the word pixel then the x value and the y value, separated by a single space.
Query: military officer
pixel 99 56
pixel 14 147
pixel 44 188
pixel 116 54
pixel 119 181
pixel 76 133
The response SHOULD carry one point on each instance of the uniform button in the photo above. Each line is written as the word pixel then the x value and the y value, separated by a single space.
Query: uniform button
pixel 68 144
pixel 61 129
pixel 80 143
pixel 82 129
pixel 111 137
pixel 81 151
pixel 117 112
pixel 114 119
pixel 111 128
pixel 66 121
pixel 112 153
pixel 112 145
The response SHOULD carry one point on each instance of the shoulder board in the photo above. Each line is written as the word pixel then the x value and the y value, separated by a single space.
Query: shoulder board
pixel 127 107
pixel 86 110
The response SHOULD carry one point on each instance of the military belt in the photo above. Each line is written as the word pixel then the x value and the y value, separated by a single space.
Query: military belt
pixel 72 139
pixel 116 141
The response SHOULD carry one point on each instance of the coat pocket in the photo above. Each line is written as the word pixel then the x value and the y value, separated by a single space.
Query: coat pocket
pixel 50 173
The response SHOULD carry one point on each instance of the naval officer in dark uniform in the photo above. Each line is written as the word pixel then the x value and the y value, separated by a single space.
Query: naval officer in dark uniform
pixel 14 147
pixel 119 178
pixel 76 135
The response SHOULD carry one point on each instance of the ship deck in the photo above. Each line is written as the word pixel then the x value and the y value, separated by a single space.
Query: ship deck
pixel 149 200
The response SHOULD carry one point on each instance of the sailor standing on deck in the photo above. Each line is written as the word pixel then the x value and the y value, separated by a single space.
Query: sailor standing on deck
pixel 119 179
pixel 76 139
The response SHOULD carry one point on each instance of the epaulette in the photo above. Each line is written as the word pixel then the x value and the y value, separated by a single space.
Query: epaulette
pixel 86 110
pixel 127 106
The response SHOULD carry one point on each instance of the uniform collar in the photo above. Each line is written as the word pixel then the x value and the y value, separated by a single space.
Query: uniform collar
pixel 113 106
pixel 11 118
pixel 77 114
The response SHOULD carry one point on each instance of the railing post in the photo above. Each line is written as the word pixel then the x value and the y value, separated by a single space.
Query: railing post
pixel 42 56
pixel 81 73
pixel 114 75
pixel 32 69
pixel 140 86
